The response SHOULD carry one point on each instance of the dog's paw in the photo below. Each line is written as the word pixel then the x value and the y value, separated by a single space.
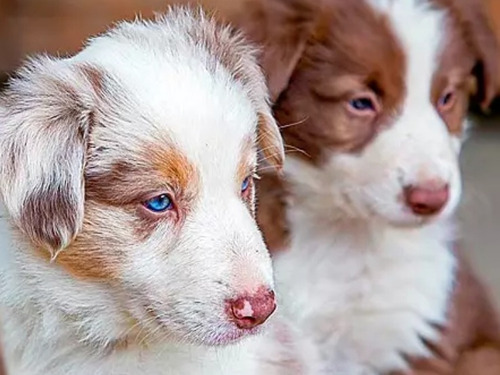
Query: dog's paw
pixel 384 344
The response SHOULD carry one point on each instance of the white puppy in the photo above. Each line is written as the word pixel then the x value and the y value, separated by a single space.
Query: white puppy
pixel 126 172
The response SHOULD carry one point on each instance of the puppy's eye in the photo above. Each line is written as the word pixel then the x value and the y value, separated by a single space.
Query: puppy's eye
pixel 362 104
pixel 161 203
pixel 446 101
pixel 246 184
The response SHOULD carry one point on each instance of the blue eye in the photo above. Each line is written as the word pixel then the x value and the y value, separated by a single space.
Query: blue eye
pixel 362 104
pixel 245 184
pixel 160 203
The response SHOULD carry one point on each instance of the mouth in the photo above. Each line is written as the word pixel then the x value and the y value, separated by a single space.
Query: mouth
pixel 209 334
pixel 410 220
pixel 229 336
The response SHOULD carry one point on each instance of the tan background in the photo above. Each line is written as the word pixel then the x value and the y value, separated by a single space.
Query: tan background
pixel 60 26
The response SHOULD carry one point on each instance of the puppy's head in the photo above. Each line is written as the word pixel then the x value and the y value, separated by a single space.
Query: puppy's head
pixel 375 93
pixel 131 165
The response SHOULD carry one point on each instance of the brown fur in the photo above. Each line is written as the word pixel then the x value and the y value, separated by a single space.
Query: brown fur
pixel 121 191
pixel 48 213
pixel 470 343
pixel 311 47
pixel 475 26
pixel 93 255
pixel 454 73
pixel 2 364
pixel 272 220
pixel 175 168
pixel 333 71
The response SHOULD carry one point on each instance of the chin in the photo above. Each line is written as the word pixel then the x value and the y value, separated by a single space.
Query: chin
pixel 230 336
pixel 223 336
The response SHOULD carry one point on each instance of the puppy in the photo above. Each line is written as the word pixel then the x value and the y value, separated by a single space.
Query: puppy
pixel 373 96
pixel 127 175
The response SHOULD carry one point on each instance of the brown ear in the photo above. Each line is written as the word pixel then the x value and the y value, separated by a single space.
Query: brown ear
pixel 45 118
pixel 483 40
pixel 282 29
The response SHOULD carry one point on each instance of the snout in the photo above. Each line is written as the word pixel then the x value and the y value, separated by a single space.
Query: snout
pixel 427 198
pixel 250 311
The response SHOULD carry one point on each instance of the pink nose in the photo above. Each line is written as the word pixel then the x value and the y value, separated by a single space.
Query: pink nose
pixel 426 199
pixel 250 311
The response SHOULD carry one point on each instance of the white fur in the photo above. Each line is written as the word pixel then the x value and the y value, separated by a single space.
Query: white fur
pixel 164 87
pixel 364 276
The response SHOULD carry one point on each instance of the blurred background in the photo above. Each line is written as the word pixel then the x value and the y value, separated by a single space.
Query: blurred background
pixel 59 27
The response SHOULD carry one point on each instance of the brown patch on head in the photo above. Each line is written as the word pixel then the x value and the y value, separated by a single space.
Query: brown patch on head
pixel 115 217
pixel 351 53
pixel 465 67
pixel 309 50
pixel 174 167
pixel 469 22
pixel 453 82
pixel 155 170
pixel 451 91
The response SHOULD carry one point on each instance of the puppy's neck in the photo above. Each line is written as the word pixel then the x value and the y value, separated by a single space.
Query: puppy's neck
pixel 340 265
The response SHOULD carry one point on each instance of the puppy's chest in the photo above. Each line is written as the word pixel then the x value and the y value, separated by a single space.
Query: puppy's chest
pixel 365 303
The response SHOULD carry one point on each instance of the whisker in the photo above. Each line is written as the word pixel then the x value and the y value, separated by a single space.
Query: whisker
pixel 264 169
pixel 296 149
pixel 265 148
pixel 150 334
pixel 294 123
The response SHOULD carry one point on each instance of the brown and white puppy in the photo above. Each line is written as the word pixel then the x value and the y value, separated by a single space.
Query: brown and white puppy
pixel 373 96
pixel 127 176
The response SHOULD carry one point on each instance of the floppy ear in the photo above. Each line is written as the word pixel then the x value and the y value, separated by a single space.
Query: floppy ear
pixel 485 44
pixel 45 120
pixel 282 29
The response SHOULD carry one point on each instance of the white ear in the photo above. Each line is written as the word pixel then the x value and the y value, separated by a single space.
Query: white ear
pixel 45 120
